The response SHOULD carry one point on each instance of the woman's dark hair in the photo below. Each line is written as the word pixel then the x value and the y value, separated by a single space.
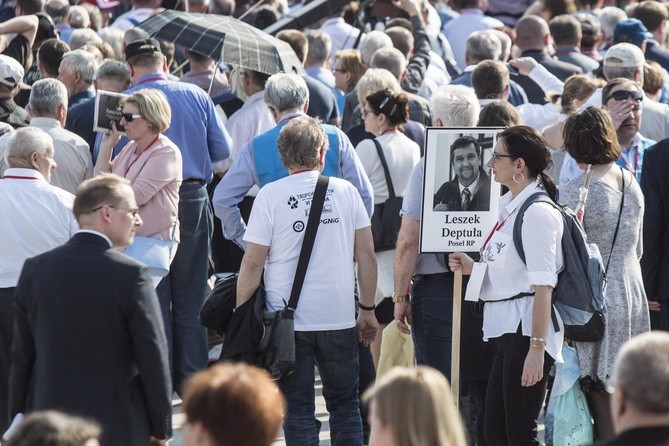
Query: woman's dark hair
pixel 395 106
pixel 499 114
pixel 525 142
pixel 590 137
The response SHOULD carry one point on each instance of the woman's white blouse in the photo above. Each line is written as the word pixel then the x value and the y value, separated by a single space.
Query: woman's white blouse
pixel 507 275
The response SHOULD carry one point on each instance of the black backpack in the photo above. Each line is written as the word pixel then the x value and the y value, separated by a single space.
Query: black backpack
pixel 579 293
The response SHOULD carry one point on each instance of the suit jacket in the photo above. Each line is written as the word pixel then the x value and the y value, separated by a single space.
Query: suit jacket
pixel 572 55
pixel 561 70
pixel 654 51
pixel 89 340
pixel 449 195
pixel 655 188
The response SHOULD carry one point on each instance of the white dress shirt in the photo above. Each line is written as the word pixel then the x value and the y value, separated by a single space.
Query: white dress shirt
pixel 507 276
pixel 34 217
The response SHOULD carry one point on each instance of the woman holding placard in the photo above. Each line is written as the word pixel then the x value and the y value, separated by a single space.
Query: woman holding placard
pixel 517 294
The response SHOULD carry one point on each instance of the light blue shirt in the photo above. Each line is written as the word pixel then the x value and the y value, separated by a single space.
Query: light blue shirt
pixel 242 177
pixel 195 128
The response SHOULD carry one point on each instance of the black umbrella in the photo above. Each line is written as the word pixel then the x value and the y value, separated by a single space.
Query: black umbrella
pixel 224 38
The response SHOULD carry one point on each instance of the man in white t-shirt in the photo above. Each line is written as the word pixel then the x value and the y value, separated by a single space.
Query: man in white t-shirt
pixel 325 322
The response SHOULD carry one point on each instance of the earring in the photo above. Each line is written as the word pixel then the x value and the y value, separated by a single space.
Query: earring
pixel 522 177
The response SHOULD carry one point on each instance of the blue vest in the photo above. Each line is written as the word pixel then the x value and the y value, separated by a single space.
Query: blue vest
pixel 268 163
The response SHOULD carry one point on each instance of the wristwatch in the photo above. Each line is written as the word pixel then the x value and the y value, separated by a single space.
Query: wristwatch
pixel 401 298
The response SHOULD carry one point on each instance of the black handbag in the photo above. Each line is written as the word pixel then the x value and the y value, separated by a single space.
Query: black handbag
pixel 276 351
pixel 386 219
pixel 593 330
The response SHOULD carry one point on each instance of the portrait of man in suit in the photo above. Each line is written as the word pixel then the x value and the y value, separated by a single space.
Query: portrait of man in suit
pixel 88 332
pixel 469 186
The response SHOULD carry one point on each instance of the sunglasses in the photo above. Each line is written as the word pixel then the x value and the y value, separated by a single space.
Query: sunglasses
pixel 129 117
pixel 622 95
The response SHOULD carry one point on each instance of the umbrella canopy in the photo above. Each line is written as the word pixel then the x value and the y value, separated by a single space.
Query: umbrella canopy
pixel 224 38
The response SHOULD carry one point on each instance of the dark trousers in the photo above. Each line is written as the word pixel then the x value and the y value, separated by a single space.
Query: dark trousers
pixel 511 410
pixel 6 328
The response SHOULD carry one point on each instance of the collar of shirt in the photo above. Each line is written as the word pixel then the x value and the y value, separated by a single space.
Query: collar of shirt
pixel 332 21
pixel 566 50
pixel 255 97
pixel 44 122
pixel 471 11
pixel 508 203
pixel 91 231
pixel 633 145
pixel 472 187
pixel 151 77
pixel 31 174
pixel 469 68
pixel 288 117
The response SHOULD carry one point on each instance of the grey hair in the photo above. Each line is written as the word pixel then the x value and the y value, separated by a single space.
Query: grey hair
pixel 113 37
pixel 319 48
pixel 113 69
pixel 301 143
pixel 286 91
pixel 483 45
pixel 642 372
pixel 391 59
pixel 455 106
pixel 46 96
pixel 609 18
pixel 82 36
pixel 505 41
pixel 82 62
pixel 372 42
pixel 376 79
pixel 23 142
pixel 624 72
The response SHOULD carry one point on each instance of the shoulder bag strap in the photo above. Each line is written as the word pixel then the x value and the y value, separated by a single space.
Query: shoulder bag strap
pixel 309 237
pixel 386 171
pixel 620 213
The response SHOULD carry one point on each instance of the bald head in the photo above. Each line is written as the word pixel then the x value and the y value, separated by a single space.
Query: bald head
pixel 532 33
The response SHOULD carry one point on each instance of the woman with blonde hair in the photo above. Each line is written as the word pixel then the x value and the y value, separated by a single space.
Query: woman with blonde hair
pixel 413 407
pixel 153 165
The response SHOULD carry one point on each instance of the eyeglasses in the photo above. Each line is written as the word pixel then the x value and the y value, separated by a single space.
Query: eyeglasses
pixel 622 95
pixel 129 117
pixel 498 157
pixel 366 112
pixel 131 211
pixel 338 70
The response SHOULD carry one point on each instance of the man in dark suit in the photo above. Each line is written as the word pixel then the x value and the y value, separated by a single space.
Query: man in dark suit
pixel 533 38
pixel 655 260
pixel 89 337
pixel 566 32
pixel 470 189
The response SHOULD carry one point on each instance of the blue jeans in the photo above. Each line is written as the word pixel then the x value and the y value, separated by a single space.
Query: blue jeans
pixel 432 309
pixel 182 292
pixel 335 353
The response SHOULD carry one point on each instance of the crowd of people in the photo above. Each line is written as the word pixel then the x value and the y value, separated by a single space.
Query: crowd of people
pixel 212 167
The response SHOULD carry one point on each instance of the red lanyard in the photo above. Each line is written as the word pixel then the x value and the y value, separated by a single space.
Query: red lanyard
pixel 140 154
pixel 16 177
pixel 497 227
pixel 151 79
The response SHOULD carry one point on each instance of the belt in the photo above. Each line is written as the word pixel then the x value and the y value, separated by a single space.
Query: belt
pixel 425 277
pixel 192 181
